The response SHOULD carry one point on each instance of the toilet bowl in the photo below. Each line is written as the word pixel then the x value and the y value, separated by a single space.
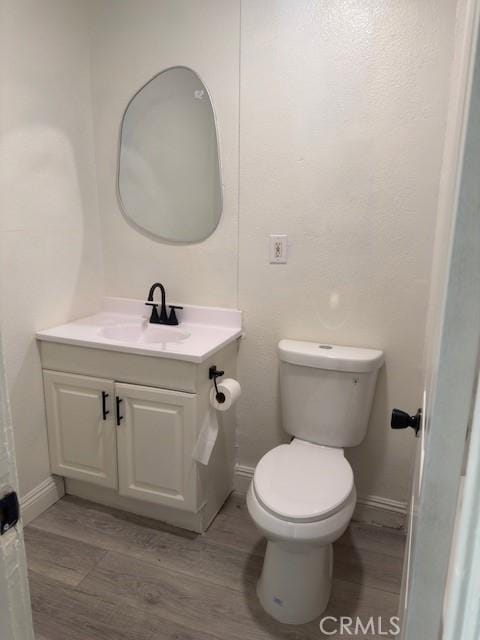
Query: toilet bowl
pixel 302 495
pixel 301 498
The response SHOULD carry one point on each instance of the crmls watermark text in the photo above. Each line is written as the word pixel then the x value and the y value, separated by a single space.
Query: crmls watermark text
pixel 346 626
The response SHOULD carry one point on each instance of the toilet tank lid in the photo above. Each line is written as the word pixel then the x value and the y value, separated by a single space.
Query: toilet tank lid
pixel 330 356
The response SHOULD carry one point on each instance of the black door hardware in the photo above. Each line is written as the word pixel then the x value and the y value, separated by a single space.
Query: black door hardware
pixel 402 420
pixel 163 317
pixel 104 405
pixel 9 512
pixel 119 417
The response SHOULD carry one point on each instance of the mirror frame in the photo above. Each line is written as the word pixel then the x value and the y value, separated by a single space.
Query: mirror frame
pixel 123 210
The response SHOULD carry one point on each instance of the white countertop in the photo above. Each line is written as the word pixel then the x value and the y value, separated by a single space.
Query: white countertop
pixel 202 330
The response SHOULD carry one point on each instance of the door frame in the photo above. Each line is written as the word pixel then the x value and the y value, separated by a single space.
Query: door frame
pixel 454 362
pixel 462 619
pixel 15 607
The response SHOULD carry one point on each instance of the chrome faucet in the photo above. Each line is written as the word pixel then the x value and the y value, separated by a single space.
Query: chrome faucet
pixel 164 317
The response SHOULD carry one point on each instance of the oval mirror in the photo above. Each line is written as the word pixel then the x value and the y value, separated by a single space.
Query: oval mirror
pixel 169 181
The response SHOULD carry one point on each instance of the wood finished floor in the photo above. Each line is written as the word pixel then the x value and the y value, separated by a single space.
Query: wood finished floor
pixel 101 574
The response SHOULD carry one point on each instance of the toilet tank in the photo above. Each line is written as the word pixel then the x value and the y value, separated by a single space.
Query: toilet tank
pixel 327 391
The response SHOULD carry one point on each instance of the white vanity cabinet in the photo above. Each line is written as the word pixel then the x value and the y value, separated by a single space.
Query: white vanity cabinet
pixel 82 441
pixel 155 440
pixel 127 402
pixel 98 428
pixel 138 456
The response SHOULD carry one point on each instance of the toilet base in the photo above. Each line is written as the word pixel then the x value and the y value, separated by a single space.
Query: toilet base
pixel 296 581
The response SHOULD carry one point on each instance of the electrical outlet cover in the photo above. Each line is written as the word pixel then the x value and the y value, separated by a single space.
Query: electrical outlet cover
pixel 278 248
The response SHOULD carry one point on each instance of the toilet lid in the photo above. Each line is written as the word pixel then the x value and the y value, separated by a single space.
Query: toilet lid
pixel 303 481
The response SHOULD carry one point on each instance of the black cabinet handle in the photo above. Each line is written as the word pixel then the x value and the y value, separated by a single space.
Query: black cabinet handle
pixel 104 405
pixel 119 417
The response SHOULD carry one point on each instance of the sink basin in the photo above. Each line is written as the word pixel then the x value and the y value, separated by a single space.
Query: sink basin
pixel 122 325
pixel 138 333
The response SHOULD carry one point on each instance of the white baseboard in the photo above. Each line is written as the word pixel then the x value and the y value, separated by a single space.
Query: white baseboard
pixel 370 509
pixel 41 498
pixel 243 477
pixel 381 511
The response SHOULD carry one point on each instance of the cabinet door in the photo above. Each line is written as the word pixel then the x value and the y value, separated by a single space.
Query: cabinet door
pixel 155 442
pixel 81 435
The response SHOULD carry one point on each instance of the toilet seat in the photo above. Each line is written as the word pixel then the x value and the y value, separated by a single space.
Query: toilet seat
pixel 317 532
pixel 303 482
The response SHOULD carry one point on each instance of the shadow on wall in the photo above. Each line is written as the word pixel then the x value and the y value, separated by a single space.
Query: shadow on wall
pixel 47 224
pixel 371 453
pixel 50 269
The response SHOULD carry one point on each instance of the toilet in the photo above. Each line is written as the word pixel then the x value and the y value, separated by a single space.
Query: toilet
pixel 302 495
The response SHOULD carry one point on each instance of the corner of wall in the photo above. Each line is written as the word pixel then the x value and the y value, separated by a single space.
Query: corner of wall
pixel 40 498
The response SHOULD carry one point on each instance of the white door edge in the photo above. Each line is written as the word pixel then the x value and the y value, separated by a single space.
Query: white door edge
pixel 15 607
pixel 462 607
pixel 452 388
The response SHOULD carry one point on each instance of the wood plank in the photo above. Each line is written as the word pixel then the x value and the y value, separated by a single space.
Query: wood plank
pixel 224 612
pixel 359 601
pixel 63 613
pixel 350 599
pixel 372 569
pixel 164 547
pixel 233 527
pixel 156 579
pixel 58 557
pixel 70 508
pixel 360 535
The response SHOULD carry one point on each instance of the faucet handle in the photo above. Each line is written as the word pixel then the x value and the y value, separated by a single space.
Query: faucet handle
pixel 173 316
pixel 154 317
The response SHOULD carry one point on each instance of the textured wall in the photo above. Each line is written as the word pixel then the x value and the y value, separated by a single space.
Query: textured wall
pixel 343 110
pixel 50 264
pixel 342 117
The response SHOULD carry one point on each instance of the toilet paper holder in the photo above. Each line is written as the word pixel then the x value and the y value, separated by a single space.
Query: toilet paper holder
pixel 213 374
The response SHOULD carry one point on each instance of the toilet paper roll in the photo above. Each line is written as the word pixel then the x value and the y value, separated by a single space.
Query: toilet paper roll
pixel 230 389
pixel 206 438
pixel 209 430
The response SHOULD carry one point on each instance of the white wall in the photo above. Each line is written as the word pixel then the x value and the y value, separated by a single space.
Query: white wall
pixel 451 165
pixel 341 131
pixel 343 110
pixel 132 42
pixel 51 268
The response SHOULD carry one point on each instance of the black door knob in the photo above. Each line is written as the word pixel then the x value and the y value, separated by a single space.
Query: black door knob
pixel 402 420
